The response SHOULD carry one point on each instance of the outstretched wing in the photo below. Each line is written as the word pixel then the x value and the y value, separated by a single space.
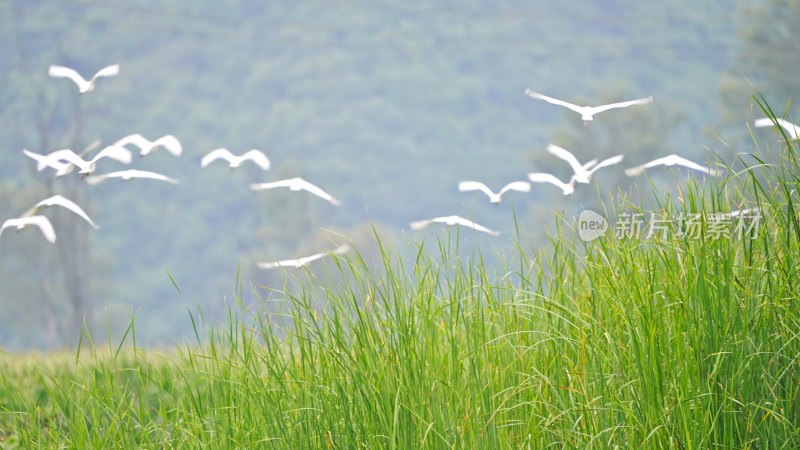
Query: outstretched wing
pixel 66 72
pixel 555 101
pixel 475 186
pixel 640 101
pixel 58 200
pixel 607 162
pixel 521 186
pixel 420 224
pixel 477 227
pixel 216 154
pixel 108 71
pixel 567 156
pixel 135 139
pixel 115 152
pixel 540 177
pixel 258 158
pixel 273 184
pixel 171 143
pixel 319 192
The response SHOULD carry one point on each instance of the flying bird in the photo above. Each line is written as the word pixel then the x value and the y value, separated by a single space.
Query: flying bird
pixel 587 112
pixel 582 172
pixel 44 161
pixel 83 85
pixel 302 261
pixel 65 160
pixel 146 146
pixel 521 186
pixel 669 161
pixel 451 221
pixel 58 200
pixel 567 188
pixel 129 175
pixel 40 221
pixel 296 184
pixel 791 129
pixel 234 161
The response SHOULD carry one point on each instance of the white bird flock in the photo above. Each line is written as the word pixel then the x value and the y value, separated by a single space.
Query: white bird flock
pixel 65 161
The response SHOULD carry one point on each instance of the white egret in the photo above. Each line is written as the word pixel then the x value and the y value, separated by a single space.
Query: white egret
pixel 670 160
pixel 582 172
pixel 83 85
pixel 302 261
pixel 451 221
pixel 520 186
pixel 296 184
pixel 587 112
pixel 40 221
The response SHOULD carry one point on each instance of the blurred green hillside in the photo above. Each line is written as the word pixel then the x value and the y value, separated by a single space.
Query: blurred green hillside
pixel 384 104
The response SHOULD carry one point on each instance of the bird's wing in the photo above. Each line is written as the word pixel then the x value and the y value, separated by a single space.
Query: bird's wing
pixel 272 184
pixel 690 164
pixel 607 162
pixel 66 72
pixel 420 224
pixel 342 249
pixel 46 227
pixel 475 186
pixel 58 200
pixel 590 164
pixel 135 139
pixel 307 259
pixel 258 158
pixel 765 122
pixel 521 186
pixel 216 154
pixel 567 156
pixel 40 221
pixel 95 179
pixel 555 101
pixel 151 175
pixel 69 156
pixel 284 263
pixel 115 152
pixel 540 177
pixel 640 101
pixel 108 71
pixel 792 129
pixel 468 223
pixel 42 161
pixel 171 143
pixel 318 192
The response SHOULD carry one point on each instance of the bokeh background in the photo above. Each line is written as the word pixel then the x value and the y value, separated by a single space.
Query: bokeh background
pixel 385 104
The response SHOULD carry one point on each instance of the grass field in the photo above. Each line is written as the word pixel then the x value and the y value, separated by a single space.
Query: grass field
pixel 687 341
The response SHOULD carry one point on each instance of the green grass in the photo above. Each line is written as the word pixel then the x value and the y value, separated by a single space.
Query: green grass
pixel 666 342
